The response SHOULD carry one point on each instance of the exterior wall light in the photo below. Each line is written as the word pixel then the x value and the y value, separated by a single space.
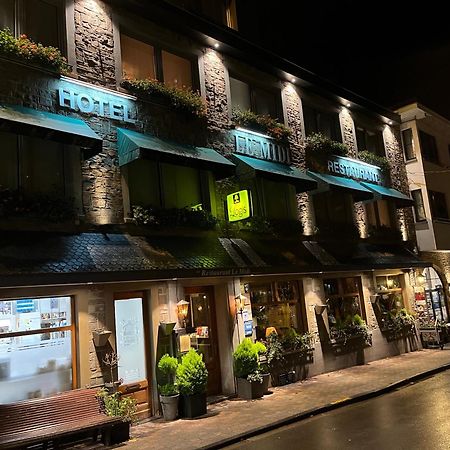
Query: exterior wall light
pixel 183 307
pixel 240 303
pixel 348 105
pixel 216 45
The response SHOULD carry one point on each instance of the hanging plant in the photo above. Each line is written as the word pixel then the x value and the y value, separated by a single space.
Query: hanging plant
pixel 319 146
pixel 380 161
pixel 27 50
pixel 184 99
pixel 261 122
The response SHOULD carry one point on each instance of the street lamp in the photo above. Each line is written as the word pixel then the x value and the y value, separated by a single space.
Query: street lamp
pixel 182 307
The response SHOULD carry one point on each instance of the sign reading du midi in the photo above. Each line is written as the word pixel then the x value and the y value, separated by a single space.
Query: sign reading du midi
pixel 262 147
pixel 98 103
pixel 352 168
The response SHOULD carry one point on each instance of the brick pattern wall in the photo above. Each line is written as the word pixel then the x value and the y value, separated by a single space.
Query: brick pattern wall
pixel 94 43
pixel 348 131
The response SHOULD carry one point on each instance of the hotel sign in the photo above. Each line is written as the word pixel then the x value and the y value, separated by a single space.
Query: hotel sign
pixel 258 146
pixel 238 206
pixel 352 168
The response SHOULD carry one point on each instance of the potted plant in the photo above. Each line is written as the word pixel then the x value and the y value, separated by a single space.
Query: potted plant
pixel 192 377
pixel 261 350
pixel 168 392
pixel 116 405
pixel 247 370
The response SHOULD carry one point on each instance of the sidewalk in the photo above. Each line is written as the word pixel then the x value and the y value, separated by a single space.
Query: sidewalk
pixel 229 421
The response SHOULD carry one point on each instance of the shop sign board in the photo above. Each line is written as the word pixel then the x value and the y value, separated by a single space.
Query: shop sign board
pixel 239 205
pixel 248 328
pixel 259 146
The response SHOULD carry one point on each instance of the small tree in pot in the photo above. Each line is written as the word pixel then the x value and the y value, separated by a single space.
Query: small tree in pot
pixel 247 369
pixel 192 378
pixel 168 392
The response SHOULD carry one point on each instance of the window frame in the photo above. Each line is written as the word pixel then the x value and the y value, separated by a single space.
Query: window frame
pixel 429 156
pixel 376 210
pixel 432 199
pixel 409 155
pixel 366 130
pixel 317 113
pixel 416 206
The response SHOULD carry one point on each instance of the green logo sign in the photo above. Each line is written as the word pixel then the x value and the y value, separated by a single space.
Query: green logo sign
pixel 238 206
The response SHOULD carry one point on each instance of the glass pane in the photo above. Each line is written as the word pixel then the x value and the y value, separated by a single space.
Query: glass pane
pixel 371 216
pixel 42 166
pixel 260 294
pixel 41 22
pixel 130 339
pixel 181 186
pixel 310 120
pixel 137 58
pixel 265 103
pixel 28 314
pixel 350 285
pixel 384 213
pixel 143 183
pixel 240 94
pixel 36 365
pixel 8 167
pixel 177 71
pixel 7 15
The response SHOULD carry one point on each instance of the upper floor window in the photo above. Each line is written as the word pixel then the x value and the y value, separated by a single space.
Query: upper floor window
pixel 370 140
pixel 141 60
pixel 438 204
pixel 419 208
pixel 332 208
pixel 321 122
pixel 428 147
pixel 40 20
pixel 380 214
pixel 408 144
pixel 245 96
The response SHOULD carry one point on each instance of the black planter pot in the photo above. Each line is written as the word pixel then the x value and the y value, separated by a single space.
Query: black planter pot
pixel 192 405
pixel 249 390
pixel 120 432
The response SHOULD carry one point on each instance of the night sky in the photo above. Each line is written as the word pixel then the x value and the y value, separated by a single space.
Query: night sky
pixel 389 52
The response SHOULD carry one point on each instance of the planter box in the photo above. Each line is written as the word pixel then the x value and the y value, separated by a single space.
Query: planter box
pixel 192 405
pixel 120 432
pixel 249 390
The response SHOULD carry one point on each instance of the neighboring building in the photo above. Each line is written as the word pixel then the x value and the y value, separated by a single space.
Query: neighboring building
pixel 426 144
pixel 330 236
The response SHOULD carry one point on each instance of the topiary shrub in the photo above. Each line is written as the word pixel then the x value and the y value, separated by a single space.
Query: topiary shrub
pixel 168 365
pixel 245 359
pixel 192 375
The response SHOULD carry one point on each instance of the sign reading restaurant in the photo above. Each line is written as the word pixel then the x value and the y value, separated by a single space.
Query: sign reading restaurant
pixel 353 168
pixel 258 146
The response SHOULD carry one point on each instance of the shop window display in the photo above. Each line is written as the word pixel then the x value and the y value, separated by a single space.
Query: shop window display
pixel 35 347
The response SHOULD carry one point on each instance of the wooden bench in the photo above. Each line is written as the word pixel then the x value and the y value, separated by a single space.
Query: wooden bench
pixel 54 420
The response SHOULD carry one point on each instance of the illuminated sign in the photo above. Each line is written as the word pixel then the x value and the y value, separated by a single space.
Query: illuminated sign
pixel 352 168
pixel 96 103
pixel 238 206
pixel 259 146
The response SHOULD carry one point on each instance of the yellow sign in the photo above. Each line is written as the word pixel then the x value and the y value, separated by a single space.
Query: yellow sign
pixel 238 206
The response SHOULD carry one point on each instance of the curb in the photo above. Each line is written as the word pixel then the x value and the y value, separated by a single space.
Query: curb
pixel 325 408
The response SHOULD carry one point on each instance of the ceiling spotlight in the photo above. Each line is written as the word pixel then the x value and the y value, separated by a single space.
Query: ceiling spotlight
pixel 292 80
pixel 347 105
pixel 216 45
pixel 390 122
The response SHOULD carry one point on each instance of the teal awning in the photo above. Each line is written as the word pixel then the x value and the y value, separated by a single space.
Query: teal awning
pixel 381 192
pixel 277 172
pixel 46 125
pixel 332 182
pixel 133 145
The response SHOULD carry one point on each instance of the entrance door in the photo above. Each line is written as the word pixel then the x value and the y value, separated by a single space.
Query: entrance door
pixel 131 344
pixel 201 325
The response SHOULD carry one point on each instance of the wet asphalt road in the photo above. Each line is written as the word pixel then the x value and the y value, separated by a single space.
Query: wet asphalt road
pixel 416 417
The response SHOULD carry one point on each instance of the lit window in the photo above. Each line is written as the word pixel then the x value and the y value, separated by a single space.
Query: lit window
pixel 177 71
pixel 137 59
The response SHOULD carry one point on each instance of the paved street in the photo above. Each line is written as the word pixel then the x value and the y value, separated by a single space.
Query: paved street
pixel 415 417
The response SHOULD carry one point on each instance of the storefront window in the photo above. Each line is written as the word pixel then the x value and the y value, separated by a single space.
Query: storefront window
pixel 275 305
pixel 390 297
pixel 35 347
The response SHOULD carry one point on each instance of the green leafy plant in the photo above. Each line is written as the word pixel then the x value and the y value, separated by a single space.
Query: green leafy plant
pixel 116 405
pixel 275 351
pixel 293 341
pixel 182 99
pixel 401 322
pixel 27 50
pixel 245 359
pixel 319 146
pixel 192 375
pixel 173 217
pixel 376 160
pixel 262 123
pixel 168 365
pixel 352 326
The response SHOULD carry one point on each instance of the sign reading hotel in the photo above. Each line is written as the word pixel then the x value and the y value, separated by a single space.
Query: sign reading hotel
pixel 352 168
pixel 258 146
pixel 238 206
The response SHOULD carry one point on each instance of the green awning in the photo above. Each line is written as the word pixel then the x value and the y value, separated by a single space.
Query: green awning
pixel 133 145
pixel 332 182
pixel 46 125
pixel 277 172
pixel 381 192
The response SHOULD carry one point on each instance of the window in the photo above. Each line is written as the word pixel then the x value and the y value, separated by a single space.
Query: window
pixel 408 144
pixel 141 60
pixel 245 96
pixel 419 208
pixel 438 204
pixel 40 20
pixel 321 122
pixel 428 147
pixel 275 305
pixel 163 185
pixel 370 140
pixel 343 298
pixel 35 165
pixel 36 337
pixel 380 214
pixel 389 298
pixel 332 208
pixel 279 200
